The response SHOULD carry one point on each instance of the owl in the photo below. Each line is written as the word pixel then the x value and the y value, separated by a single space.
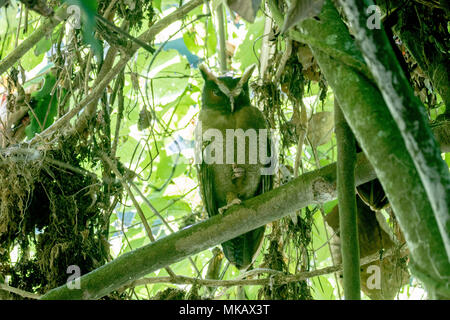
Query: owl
pixel 230 135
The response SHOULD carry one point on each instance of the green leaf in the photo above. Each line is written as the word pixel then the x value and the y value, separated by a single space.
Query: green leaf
pixel 29 61
pixel 139 242
pixel 46 90
pixel 180 106
pixel 157 5
pixel 8 20
pixel 45 106
pixel 166 164
pixel 170 73
pixel 321 249
pixel 42 46
pixel 126 149
pixel 212 39
pixel 323 290
pixel 329 205
pixel 251 45
pixel 179 208
pixel 169 205
pixel 190 41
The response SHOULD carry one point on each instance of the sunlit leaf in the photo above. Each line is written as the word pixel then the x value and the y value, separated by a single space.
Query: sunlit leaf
pixel 45 106
pixel 42 46
pixel 248 52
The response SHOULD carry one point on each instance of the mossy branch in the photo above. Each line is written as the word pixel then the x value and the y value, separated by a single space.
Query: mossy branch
pixel 277 277
pixel 379 136
pixel 348 226
pixel 311 188
pixel 408 113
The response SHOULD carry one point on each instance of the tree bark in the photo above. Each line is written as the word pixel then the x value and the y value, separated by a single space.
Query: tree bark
pixel 346 159
pixel 380 138
pixel 311 188
pixel 408 113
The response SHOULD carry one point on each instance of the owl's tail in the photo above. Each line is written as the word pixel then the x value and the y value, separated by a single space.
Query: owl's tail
pixel 242 251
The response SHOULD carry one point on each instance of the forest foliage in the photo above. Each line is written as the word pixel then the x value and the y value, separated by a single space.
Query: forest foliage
pixel 97 143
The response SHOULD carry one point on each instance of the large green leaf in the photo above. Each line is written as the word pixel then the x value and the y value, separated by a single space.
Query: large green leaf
pixel 42 46
pixel 30 60
pixel 157 5
pixel 45 106
pixel 248 52
pixel 212 38
pixel 170 73
pixel 8 20
pixel 322 289
pixel 165 167
pixel 190 41
pixel 179 107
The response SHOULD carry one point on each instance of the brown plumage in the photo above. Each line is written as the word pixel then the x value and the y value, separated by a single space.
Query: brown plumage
pixel 226 105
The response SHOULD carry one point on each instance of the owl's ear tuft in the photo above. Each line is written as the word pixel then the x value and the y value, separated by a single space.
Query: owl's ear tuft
pixel 248 73
pixel 206 73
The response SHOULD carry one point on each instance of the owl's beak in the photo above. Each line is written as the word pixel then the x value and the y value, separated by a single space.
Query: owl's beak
pixel 232 104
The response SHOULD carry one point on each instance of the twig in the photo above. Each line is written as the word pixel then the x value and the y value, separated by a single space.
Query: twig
pixel 284 59
pixel 18 27
pixel 46 28
pixel 148 229
pixel 278 279
pixel 222 39
pixel 118 90
pixel 19 292
pixel 108 73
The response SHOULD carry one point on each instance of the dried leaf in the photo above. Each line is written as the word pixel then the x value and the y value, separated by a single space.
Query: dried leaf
pixel 300 10
pixel 247 9
pixel 320 128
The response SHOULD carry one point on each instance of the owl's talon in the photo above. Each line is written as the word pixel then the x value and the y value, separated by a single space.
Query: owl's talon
pixel 233 202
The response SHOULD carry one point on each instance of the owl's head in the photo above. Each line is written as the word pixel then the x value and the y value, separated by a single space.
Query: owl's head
pixel 225 93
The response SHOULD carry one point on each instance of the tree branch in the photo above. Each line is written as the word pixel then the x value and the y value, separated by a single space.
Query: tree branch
pixel 346 148
pixel 380 138
pixel 311 188
pixel 277 279
pixel 19 292
pixel 47 27
pixel 325 38
pixel 222 39
pixel 408 113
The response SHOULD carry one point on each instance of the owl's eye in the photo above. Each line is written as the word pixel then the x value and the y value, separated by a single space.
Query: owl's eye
pixel 216 92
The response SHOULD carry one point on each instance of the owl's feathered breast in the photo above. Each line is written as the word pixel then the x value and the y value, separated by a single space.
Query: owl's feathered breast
pixel 221 174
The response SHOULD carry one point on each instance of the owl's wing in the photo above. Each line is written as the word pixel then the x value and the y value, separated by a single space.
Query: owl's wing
pixel 205 176
pixel 207 190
